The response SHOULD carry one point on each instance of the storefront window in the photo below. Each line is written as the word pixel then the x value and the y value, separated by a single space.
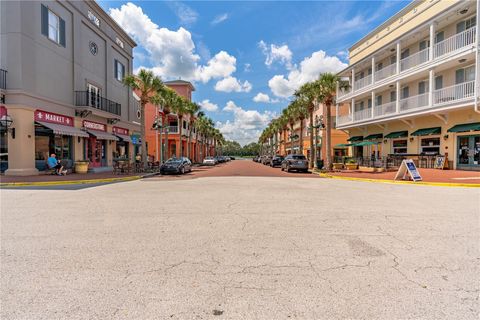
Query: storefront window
pixel 430 146
pixel 400 146
pixel 121 150
pixel 3 150
pixel 42 149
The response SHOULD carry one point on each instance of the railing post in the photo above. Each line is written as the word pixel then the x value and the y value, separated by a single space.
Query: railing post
pixel 432 41
pixel 352 109
pixel 353 79
pixel 397 106
pixel 398 57
pixel 430 87
pixel 373 104
pixel 373 70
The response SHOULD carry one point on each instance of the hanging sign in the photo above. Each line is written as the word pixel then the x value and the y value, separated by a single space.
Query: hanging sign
pixel 94 125
pixel 119 130
pixel 50 117
pixel 408 166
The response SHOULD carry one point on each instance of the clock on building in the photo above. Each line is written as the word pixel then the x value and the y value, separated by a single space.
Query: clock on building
pixel 93 48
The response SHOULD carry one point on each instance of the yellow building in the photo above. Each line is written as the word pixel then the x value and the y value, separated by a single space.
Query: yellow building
pixel 414 87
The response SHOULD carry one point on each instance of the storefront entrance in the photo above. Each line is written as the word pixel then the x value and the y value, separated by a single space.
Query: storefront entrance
pixel 468 152
pixel 96 152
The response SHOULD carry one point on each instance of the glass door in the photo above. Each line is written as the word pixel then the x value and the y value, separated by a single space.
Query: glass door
pixel 468 152
pixel 93 95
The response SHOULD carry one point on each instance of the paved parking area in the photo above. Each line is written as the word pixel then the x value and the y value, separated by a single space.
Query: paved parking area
pixel 241 248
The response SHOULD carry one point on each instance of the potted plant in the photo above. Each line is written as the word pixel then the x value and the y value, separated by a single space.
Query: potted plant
pixel 81 166
pixel 351 164
pixel 337 165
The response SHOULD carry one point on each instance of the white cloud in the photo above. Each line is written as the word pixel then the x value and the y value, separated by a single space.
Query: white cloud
pixel 273 53
pixel 310 68
pixel 208 106
pixel 230 84
pixel 247 67
pixel 246 125
pixel 172 53
pixel 184 13
pixel 220 18
pixel 263 97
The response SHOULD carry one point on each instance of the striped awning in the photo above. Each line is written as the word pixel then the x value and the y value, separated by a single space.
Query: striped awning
pixel 64 130
pixel 100 135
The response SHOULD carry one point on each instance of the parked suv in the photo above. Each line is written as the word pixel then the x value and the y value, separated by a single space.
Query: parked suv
pixel 276 161
pixel 296 162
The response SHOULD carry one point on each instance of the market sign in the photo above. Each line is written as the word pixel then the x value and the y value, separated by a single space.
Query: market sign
pixel 50 117
pixel 94 126
pixel 408 166
pixel 119 130
pixel 3 111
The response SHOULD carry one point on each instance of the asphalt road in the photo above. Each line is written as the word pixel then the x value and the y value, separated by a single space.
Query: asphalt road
pixel 241 248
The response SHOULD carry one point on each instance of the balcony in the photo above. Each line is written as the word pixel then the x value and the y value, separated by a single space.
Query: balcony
pixel 343 92
pixel 344 119
pixel 454 93
pixel 3 79
pixel 414 60
pixel 362 114
pixel 414 102
pixel 385 109
pixel 89 99
pixel 454 43
pixel 386 72
pixel 172 129
pixel 360 83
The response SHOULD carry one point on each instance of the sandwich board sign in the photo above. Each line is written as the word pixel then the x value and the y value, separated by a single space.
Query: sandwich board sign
pixel 440 162
pixel 408 166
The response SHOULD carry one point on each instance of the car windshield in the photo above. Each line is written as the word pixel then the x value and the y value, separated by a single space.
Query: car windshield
pixel 208 158
pixel 174 160
pixel 298 157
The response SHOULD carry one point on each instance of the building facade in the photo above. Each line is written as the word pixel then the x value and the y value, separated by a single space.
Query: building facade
pixel 414 87
pixel 64 63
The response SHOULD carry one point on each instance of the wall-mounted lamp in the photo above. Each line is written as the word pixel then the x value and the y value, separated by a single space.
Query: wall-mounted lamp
pixel 6 122
pixel 445 137
pixel 385 141
pixel 462 60
pixel 411 139
pixel 78 139
pixel 112 120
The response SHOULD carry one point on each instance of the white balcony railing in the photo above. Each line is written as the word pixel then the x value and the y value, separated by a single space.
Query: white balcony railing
pixel 362 114
pixel 344 119
pixel 365 81
pixel 454 93
pixel 414 102
pixel 456 42
pixel 386 72
pixel 385 109
pixel 414 60
pixel 343 92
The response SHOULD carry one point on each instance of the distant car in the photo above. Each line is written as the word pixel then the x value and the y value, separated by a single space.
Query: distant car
pixel 176 165
pixel 266 160
pixel 209 161
pixel 220 159
pixel 296 162
pixel 256 158
pixel 231 158
pixel 276 161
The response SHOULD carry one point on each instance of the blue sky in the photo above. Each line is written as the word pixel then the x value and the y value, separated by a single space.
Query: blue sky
pixel 246 58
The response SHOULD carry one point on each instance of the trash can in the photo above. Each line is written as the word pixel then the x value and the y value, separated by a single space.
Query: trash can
pixel 319 164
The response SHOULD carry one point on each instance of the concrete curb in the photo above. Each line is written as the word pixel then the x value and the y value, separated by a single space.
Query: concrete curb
pixel 421 183
pixel 70 182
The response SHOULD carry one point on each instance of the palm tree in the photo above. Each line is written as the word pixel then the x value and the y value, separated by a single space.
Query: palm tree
pixel 289 114
pixel 300 113
pixel 196 124
pixel 170 97
pixel 180 109
pixel 328 86
pixel 148 86
pixel 192 110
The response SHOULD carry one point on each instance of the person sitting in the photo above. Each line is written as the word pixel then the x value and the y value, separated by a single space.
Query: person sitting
pixel 53 163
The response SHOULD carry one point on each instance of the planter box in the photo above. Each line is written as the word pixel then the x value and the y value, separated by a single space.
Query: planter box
pixel 351 166
pixel 81 167
pixel 370 169
pixel 338 166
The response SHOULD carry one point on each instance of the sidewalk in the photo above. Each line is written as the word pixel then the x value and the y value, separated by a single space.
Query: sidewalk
pixel 73 178
pixel 428 175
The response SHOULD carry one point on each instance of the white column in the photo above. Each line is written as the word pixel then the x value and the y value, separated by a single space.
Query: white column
pixel 352 109
pixel 398 97
pixel 373 69
pixel 353 80
pixel 373 103
pixel 399 56
pixel 431 86
pixel 432 41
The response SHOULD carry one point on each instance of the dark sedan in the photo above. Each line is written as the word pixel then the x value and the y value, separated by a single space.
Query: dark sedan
pixel 176 165
pixel 276 161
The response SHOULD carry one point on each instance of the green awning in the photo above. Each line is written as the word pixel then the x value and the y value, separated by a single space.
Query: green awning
pixel 340 145
pixel 397 134
pixel 465 127
pixel 427 131
pixel 365 143
pixel 356 138
pixel 374 136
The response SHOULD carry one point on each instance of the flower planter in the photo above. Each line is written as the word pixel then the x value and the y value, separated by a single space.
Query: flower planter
pixel 81 166
pixel 338 166
pixel 351 166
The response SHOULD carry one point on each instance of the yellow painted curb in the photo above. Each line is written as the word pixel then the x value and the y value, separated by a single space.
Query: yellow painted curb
pixel 68 182
pixel 437 184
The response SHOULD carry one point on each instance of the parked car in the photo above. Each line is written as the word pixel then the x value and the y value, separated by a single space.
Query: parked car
pixel 296 162
pixel 231 158
pixel 266 160
pixel 209 161
pixel 276 161
pixel 256 158
pixel 176 165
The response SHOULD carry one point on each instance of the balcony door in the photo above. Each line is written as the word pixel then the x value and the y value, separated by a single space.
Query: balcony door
pixel 94 94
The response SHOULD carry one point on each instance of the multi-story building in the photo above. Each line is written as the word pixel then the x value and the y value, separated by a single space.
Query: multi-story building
pixel 414 86
pixel 64 62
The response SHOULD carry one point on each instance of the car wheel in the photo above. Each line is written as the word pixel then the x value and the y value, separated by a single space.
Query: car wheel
pixel 183 170
pixel 288 168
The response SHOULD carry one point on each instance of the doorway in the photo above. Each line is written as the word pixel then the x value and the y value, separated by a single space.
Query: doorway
pixel 468 152
pixel 96 152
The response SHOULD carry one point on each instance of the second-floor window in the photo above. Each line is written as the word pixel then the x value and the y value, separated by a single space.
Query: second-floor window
pixel 53 26
pixel 405 92
pixel 465 75
pixel 119 70
pixel 438 82
pixel 378 101
pixel 393 96
pixel 466 24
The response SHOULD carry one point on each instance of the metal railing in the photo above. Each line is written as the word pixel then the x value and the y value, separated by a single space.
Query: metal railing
pixel 344 92
pixel 3 79
pixel 386 72
pixel 385 109
pixel 454 43
pixel 344 119
pixel 365 81
pixel 362 114
pixel 172 129
pixel 87 98
pixel 414 102
pixel 414 60
pixel 454 93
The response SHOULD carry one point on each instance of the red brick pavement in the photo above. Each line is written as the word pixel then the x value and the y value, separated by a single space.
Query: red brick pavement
pixel 69 177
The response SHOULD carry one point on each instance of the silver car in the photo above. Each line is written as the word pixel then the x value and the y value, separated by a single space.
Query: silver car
pixel 296 162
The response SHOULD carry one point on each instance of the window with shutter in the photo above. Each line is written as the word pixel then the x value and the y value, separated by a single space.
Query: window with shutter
pixel 52 26
pixel 438 82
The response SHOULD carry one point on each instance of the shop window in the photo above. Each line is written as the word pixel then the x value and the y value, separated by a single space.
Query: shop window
pixel 47 144
pixel 430 146
pixel 399 146
pixel 42 147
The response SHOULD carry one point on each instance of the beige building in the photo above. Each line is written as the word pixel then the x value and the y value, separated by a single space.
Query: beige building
pixel 414 87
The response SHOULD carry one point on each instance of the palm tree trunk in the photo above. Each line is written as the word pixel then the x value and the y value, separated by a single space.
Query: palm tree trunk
pixel 180 127
pixel 189 140
pixel 144 138
pixel 292 144
pixel 328 136
pixel 167 144
pixel 313 158
pixel 161 139
pixel 300 147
